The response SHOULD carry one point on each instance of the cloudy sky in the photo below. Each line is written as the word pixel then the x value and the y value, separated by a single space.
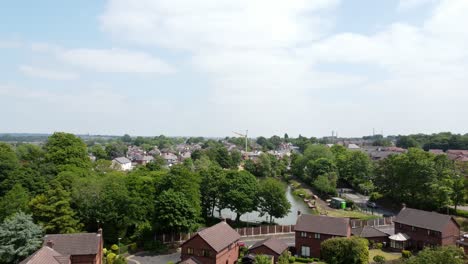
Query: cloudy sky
pixel 210 67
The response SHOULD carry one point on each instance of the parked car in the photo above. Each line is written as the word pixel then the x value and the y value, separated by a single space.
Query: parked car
pixel 371 204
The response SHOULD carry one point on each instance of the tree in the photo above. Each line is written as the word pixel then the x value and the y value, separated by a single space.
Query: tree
pixel 354 167
pixel 30 155
pixel 53 211
pixel 116 149
pixel 240 192
pixel 126 138
pixel 326 183
pixel 438 255
pixel 272 199
pixel 343 250
pixel 99 152
pixel 212 180
pixel 262 259
pixel 284 258
pixel 64 150
pixel 8 161
pixel 19 237
pixel 459 191
pixel 407 142
pixel 15 200
pixel 173 212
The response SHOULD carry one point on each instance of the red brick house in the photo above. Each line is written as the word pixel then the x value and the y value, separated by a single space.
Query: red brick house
pixel 80 248
pixel 312 230
pixel 214 245
pixel 423 228
pixel 270 246
pixel 371 233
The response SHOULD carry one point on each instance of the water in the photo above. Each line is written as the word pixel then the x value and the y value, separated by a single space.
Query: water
pixel 297 204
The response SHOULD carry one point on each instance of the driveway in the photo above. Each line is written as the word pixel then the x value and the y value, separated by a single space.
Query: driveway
pixel 148 258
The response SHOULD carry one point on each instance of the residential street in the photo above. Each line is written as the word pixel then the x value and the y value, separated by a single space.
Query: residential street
pixel 360 200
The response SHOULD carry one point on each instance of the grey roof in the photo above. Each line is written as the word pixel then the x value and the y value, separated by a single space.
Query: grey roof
pixel 278 246
pixel 122 160
pixel 218 236
pixel 367 232
pixel 191 260
pixel 46 255
pixel 322 225
pixel 423 219
pixel 75 244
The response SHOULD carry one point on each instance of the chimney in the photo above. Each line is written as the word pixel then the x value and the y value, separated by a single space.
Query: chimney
pixel 298 212
pixel 403 206
pixel 99 231
pixel 50 243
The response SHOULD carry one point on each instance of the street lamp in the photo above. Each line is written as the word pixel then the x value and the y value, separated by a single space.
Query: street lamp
pixel 119 245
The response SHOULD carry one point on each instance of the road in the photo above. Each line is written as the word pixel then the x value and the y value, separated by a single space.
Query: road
pixel 360 200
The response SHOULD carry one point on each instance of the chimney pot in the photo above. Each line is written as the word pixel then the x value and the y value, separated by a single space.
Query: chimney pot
pixel 50 243
pixel 298 212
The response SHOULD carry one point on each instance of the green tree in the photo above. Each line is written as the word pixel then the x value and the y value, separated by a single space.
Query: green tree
pixel 30 155
pixel 272 199
pixel 343 250
pixel 174 212
pixel 407 142
pixel 8 161
pixel 354 167
pixel 438 255
pixel 212 180
pixel 240 192
pixel 19 237
pixel 116 149
pixel 53 211
pixel 15 200
pixel 126 138
pixel 379 259
pixel 99 152
pixel 284 258
pixel 326 183
pixel 64 150
pixel 262 259
pixel 459 191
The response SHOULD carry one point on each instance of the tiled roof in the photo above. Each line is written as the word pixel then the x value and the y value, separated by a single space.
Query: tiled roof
pixel 423 219
pixel 47 255
pixel 191 260
pixel 218 236
pixel 272 243
pixel 367 232
pixel 322 225
pixel 122 160
pixel 75 244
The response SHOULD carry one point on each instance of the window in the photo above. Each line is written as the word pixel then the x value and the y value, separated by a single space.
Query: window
pixel 305 251
pixel 413 228
pixel 317 236
pixel 190 251
pixel 206 253
pixel 303 234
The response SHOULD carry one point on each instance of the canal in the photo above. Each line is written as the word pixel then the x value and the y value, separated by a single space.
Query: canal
pixel 297 204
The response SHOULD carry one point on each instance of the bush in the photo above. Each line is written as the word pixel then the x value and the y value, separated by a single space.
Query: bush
pixel 406 254
pixel 458 212
pixel 304 260
pixel 375 196
pixel 379 246
pixel 110 258
pixel 354 250
pixel 120 260
pixel 379 259
pixel 132 247
pixel 115 248
pixel 292 259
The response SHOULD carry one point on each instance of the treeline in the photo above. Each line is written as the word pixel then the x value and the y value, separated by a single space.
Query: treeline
pixel 444 141
pixel 417 178
pixel 65 192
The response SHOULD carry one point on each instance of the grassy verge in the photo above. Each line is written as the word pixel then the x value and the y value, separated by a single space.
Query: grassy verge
pixel 387 255
pixel 351 214
pixel 463 222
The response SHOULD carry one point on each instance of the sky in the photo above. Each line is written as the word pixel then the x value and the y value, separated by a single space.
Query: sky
pixel 211 67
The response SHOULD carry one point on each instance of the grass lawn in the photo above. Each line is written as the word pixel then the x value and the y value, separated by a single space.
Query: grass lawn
pixel 387 255
pixel 463 222
pixel 351 214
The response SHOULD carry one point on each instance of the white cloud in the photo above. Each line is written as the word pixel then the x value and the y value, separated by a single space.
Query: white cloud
pixel 405 5
pixel 46 73
pixel 9 44
pixel 115 61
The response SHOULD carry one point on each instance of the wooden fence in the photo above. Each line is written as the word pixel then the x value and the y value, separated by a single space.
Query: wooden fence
pixel 268 230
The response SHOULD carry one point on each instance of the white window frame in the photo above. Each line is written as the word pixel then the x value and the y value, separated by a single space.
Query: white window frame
pixel 305 251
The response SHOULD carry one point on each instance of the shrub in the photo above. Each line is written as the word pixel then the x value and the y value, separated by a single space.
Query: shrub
pixel 304 260
pixel 132 247
pixel 115 248
pixel 379 259
pixel 292 259
pixel 110 258
pixel 379 246
pixel 354 250
pixel 375 196
pixel 406 254
pixel 120 260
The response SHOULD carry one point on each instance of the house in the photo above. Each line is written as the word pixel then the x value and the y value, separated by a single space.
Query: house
pixel 122 163
pixel 170 158
pixel 371 233
pixel 217 244
pixel 143 159
pixel 436 151
pixel 185 155
pixel 353 146
pixel 312 230
pixel 80 248
pixel 270 246
pixel 417 229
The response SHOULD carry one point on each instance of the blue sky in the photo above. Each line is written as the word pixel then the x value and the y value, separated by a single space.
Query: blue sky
pixel 207 68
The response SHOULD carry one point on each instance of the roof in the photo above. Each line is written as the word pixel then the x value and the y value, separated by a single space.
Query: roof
pixel 367 232
pixel 46 255
pixel 218 236
pixel 423 219
pixel 399 237
pixel 190 260
pixel 322 224
pixel 75 244
pixel 278 246
pixel 122 160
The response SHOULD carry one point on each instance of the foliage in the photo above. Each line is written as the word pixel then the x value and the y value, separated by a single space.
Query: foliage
pixel 345 250
pixel 15 200
pixel 240 192
pixel 212 180
pixel 326 184
pixel 438 255
pixel 19 237
pixel 262 259
pixel 64 149
pixel 53 211
pixel 406 254
pixel 272 199
pixel 379 259
pixel 8 161
pixel 115 248
pixel 174 212
pixel 284 258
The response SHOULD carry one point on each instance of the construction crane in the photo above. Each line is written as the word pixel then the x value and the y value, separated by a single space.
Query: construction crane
pixel 244 136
